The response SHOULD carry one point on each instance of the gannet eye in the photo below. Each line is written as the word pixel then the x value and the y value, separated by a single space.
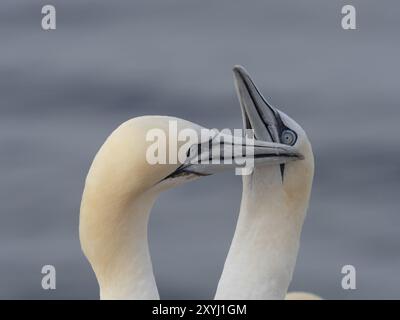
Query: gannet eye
pixel 288 137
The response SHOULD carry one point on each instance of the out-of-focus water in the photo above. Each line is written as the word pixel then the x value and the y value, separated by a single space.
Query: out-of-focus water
pixel 62 92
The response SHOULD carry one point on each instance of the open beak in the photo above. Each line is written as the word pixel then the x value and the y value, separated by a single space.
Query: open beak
pixel 224 151
pixel 257 113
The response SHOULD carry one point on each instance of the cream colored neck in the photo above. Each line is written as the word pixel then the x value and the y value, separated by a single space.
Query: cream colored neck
pixel 263 252
pixel 114 238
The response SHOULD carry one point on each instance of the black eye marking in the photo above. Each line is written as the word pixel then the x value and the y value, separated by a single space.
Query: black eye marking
pixel 288 137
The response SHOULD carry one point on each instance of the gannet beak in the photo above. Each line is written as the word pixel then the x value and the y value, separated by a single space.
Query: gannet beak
pixel 225 151
pixel 257 113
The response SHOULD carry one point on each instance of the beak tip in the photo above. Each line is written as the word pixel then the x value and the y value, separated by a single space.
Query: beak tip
pixel 238 69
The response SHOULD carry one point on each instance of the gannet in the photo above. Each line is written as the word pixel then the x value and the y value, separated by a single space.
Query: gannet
pixel 275 198
pixel 120 190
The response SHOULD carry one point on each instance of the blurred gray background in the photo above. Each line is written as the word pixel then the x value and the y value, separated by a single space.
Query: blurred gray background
pixel 62 92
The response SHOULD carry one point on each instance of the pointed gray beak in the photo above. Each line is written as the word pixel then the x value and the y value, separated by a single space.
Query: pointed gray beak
pixel 257 113
pixel 224 151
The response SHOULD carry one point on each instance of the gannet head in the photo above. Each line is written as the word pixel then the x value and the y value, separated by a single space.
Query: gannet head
pixel 271 124
pixel 121 167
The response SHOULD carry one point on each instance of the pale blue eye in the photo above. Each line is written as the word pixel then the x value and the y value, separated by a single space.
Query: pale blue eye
pixel 288 137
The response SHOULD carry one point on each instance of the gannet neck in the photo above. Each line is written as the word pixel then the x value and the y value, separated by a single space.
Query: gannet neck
pixel 264 248
pixel 115 208
pixel 114 238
